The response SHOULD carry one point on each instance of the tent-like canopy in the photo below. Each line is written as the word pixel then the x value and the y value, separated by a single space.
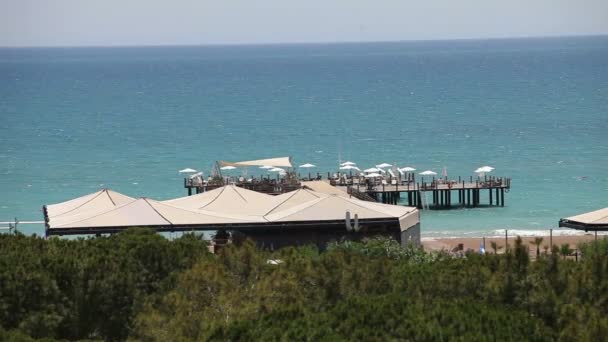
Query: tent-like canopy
pixel 334 208
pixel 324 187
pixel 146 212
pixel 276 162
pixel 593 220
pixel 227 199
pixel 228 207
pixel 84 206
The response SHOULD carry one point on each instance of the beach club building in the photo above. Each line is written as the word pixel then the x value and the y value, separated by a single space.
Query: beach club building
pixel 593 221
pixel 315 214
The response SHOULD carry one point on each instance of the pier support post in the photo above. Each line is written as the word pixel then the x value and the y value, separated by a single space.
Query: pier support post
pixel 502 197
pixel 189 191
pixel 490 192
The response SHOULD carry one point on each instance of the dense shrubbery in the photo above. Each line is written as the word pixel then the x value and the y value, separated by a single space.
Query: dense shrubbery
pixel 140 285
pixel 90 288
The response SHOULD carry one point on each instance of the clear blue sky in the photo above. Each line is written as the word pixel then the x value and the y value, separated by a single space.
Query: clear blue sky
pixel 151 22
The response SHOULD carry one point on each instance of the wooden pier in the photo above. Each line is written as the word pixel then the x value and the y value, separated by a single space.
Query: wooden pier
pixel 440 193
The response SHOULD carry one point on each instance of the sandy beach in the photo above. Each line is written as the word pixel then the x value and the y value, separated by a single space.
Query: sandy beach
pixel 435 244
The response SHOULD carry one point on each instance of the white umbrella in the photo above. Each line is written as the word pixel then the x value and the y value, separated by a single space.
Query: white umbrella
pixel 428 173
pixel 196 174
pixel 350 167
pixel 481 172
pixel 347 163
pixel 187 170
pixel 484 169
pixel 308 165
pixel 228 167
pixel 372 169
pixel 383 165
pixel 276 169
pixel 373 175
pixel 266 167
pixel 407 169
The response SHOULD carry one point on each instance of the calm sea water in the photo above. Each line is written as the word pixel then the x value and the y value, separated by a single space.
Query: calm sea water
pixel 75 120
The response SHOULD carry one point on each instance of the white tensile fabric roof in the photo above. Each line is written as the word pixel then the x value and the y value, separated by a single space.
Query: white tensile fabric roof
pixel 324 187
pixel 276 162
pixel 86 206
pixel 148 212
pixel 596 217
pixel 227 199
pixel 232 205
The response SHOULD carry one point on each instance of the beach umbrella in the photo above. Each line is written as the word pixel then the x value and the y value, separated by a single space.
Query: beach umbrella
pixel 347 163
pixel 484 169
pixel 383 165
pixel 307 165
pixel 229 167
pixel 373 175
pixel 407 169
pixel 266 167
pixel 187 170
pixel 481 172
pixel 196 174
pixel 350 167
pixel 276 169
pixel 372 169
pixel 428 173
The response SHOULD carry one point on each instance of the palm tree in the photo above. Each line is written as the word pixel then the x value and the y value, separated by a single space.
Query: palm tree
pixel 537 241
pixel 495 246
pixel 565 250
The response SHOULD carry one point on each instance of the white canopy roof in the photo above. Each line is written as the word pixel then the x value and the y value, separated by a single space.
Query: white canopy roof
pixel 324 188
pixel 593 217
pixel 148 212
pixel 334 207
pixel 86 205
pixel 231 205
pixel 227 199
pixel 276 162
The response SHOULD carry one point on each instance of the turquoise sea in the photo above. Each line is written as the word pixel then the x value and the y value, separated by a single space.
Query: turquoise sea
pixel 73 120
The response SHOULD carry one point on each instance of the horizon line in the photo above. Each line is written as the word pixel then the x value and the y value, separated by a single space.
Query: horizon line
pixel 346 42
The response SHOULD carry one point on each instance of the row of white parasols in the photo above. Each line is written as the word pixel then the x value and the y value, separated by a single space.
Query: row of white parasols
pixel 348 165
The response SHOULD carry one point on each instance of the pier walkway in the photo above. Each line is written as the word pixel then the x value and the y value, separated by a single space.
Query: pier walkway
pixel 440 193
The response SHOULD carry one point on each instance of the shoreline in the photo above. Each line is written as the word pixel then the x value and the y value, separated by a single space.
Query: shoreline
pixel 450 243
